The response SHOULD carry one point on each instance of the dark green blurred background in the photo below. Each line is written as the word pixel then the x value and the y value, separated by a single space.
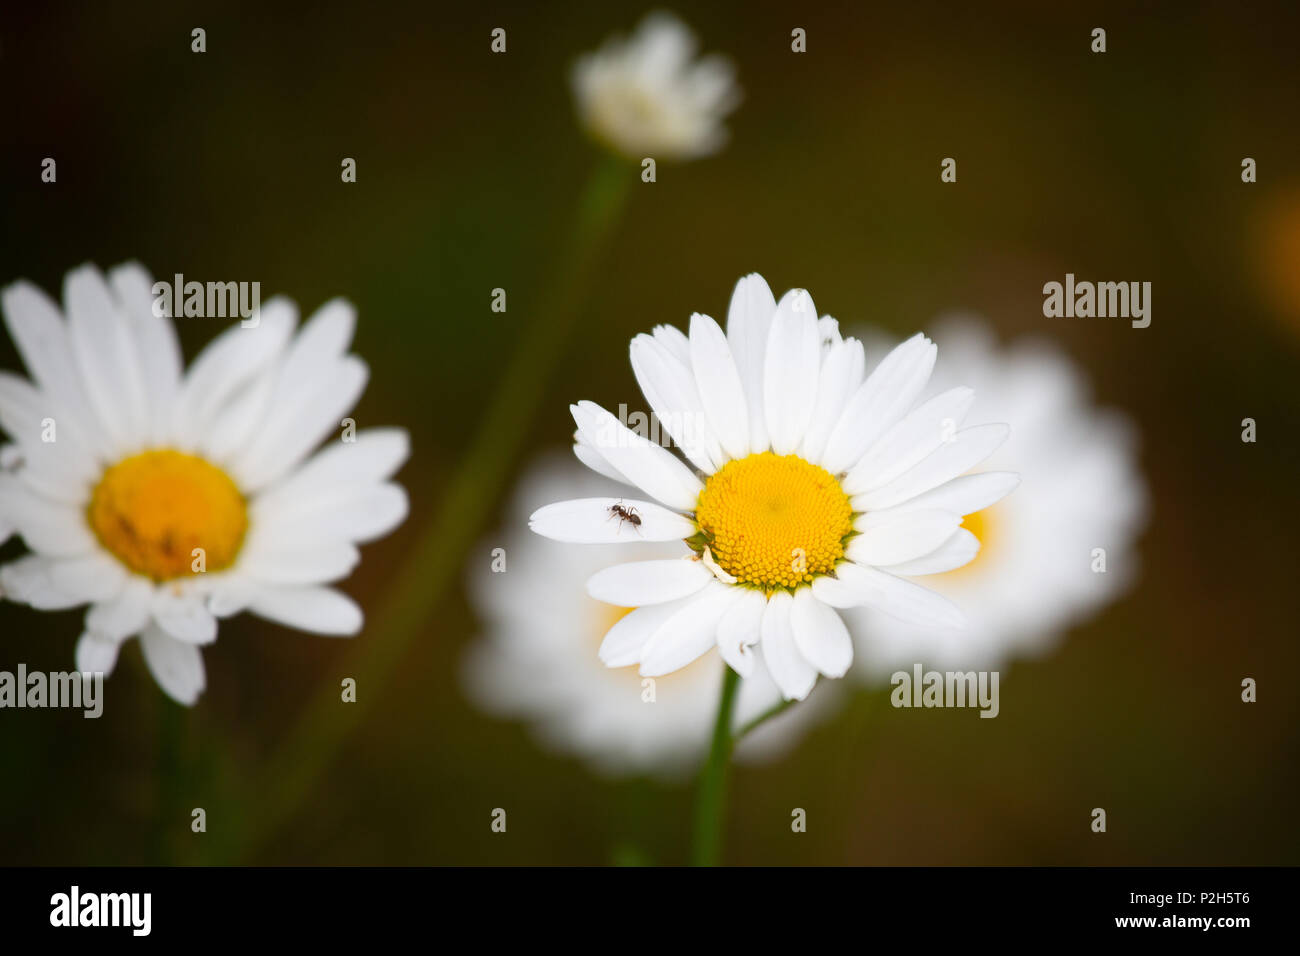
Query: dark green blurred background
pixel 1117 166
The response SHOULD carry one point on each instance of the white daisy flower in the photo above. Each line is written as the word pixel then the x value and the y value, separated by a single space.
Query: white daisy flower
pixel 166 500
pixel 538 658
pixel 1034 573
pixel 814 488
pixel 646 96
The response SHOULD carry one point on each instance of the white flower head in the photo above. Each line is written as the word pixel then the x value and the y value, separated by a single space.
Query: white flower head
pixel 814 487
pixel 537 659
pixel 646 95
pixel 1061 547
pixel 167 499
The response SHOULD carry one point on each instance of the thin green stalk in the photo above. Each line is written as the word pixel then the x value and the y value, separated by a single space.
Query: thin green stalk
pixel 765 716
pixel 711 798
pixel 422 580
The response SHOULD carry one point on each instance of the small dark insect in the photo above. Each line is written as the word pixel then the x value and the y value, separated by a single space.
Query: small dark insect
pixel 625 514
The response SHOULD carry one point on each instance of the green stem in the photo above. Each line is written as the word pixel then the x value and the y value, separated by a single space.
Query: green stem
pixel 422 580
pixel 765 716
pixel 709 802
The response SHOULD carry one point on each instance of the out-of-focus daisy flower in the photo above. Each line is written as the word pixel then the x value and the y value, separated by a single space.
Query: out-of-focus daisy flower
pixel 166 500
pixel 538 658
pixel 1277 254
pixel 814 487
pixel 1033 575
pixel 647 96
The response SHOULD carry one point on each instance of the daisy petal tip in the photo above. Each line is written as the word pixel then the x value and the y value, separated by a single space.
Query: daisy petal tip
pixel 796 694
pixel 647 669
pixel 738 660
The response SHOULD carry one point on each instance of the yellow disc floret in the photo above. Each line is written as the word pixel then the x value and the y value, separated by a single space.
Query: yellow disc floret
pixel 774 521
pixel 166 515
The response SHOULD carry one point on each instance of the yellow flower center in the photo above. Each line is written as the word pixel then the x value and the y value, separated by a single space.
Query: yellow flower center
pixel 166 514
pixel 774 521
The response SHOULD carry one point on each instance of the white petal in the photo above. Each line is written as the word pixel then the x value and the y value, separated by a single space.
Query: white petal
pixel 828 329
pixel 53 529
pixel 791 672
pixel 689 633
pixel 957 551
pixel 315 609
pixel 301 417
pixel 624 641
pixel 655 470
pixel 370 516
pixel 669 387
pixel 841 375
pixel 230 592
pixel 351 512
pixel 40 469
pixel 65 466
pixel 675 341
pixel 20 408
pixel 970 447
pixel 891 537
pixel 820 634
pixel 963 496
pixel 857 586
pixel 96 655
pixel 27 581
pixel 175 665
pixel 919 434
pixel 90 577
pixel 105 351
pixel 739 630
pixel 648 582
pixel 234 426
pixel 226 365
pixel 124 615
pixel 183 617
pixel 590 456
pixel 309 562
pixel 316 385
pixel 791 371
pixel 879 402
pixel 749 320
pixel 324 337
pixel 375 455
pixel 39 332
pixel 720 388
pixel 592 521
pixel 156 345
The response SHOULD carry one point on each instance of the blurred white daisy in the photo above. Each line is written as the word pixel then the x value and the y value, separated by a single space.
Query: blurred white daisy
pixel 1033 576
pixel 537 660
pixel 166 500
pixel 814 488
pixel 647 96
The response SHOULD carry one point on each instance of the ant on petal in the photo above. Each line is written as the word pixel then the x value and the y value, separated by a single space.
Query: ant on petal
pixel 625 514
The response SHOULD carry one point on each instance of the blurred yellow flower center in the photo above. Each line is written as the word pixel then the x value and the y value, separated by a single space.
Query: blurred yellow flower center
pixel 980 524
pixel 611 615
pixel 774 521
pixel 165 514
